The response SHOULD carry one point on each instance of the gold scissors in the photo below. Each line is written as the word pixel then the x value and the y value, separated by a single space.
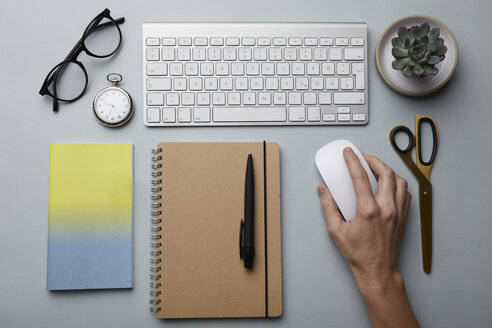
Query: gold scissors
pixel 421 170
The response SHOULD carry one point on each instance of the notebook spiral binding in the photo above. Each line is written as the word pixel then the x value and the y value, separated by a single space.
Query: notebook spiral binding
pixel 155 232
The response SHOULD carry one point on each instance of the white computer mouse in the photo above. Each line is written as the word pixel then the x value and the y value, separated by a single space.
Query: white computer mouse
pixel 333 169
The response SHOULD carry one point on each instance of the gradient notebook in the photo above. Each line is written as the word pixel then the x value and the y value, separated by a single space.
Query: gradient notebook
pixel 90 215
pixel 199 197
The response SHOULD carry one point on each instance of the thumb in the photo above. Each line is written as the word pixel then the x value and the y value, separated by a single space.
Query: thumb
pixel 330 208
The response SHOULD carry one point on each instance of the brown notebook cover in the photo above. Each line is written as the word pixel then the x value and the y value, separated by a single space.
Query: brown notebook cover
pixel 199 204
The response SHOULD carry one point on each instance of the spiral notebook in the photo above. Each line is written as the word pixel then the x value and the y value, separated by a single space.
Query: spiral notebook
pixel 90 216
pixel 198 206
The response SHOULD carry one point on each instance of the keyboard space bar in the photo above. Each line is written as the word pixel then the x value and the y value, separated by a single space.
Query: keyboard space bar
pixel 249 114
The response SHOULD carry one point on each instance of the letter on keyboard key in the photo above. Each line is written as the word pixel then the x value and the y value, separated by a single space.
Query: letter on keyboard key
pixel 249 114
pixel 348 98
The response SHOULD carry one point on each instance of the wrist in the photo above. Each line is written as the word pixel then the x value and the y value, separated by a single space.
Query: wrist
pixel 379 283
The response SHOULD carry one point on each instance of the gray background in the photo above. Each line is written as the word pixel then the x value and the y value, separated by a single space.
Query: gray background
pixel 318 287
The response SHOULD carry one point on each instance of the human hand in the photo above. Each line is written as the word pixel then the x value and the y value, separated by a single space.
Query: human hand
pixel 370 243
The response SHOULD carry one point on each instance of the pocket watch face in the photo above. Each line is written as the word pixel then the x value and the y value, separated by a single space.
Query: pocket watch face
pixel 113 106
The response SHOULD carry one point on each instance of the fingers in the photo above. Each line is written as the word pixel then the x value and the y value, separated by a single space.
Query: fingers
pixel 360 180
pixel 386 176
pixel 401 194
pixel 330 209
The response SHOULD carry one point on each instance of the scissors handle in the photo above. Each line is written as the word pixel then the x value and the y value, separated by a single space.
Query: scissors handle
pixel 402 129
pixel 419 120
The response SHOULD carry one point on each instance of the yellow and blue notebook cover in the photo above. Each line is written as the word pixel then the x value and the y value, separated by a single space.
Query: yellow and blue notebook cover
pixel 90 239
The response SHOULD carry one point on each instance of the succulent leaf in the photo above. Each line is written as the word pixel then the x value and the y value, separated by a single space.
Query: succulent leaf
pixel 417 49
pixel 403 33
pixel 398 52
pixel 429 69
pixel 434 34
pixel 407 71
pixel 432 60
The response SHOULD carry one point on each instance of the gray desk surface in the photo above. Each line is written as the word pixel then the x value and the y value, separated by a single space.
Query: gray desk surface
pixel 318 288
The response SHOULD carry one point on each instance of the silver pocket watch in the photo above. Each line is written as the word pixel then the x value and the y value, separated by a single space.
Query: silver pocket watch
pixel 113 106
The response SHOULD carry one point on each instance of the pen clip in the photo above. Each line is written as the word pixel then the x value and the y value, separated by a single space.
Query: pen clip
pixel 241 239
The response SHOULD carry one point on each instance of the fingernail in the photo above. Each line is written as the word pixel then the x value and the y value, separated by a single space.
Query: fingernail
pixel 348 150
pixel 321 190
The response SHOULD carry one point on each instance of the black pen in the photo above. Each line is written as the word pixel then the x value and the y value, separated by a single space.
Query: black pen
pixel 248 250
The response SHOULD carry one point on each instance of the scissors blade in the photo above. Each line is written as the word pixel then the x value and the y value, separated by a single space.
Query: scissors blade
pixel 425 196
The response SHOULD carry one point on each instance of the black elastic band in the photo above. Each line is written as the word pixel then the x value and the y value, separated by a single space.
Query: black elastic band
pixel 265 221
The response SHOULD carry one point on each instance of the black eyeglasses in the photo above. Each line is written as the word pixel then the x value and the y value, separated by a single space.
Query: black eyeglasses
pixel 67 81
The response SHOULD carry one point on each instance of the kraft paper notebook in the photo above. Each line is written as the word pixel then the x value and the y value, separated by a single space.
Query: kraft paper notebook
pixel 199 194
pixel 90 216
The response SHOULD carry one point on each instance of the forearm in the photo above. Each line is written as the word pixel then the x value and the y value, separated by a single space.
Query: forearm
pixel 387 302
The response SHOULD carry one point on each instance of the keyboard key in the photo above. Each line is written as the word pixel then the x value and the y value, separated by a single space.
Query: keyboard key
pixel 317 83
pixel 249 114
pixel 358 71
pixel 335 53
pixel 297 114
pixel 249 98
pixel 328 68
pixel 158 84
pixel 343 68
pixel 201 114
pixel 252 69
pixel 230 54
pixel 343 117
pixel 324 98
pixel 357 41
pixel 195 84
pixel 326 41
pixel 234 98
pixel 320 54
pixel 168 54
pixel 256 83
pixel 156 69
pixel 206 69
pixel 168 41
pixel 152 54
pixel 348 98
pixel 309 98
pixel 279 98
pixel 271 83
pixel 198 54
pixel 218 98
pixel 264 41
pixel 267 69
pixel 297 68
pixel 244 53
pixel 214 54
pixel 353 53
pixel 248 41
pixel 295 41
pixel 237 69
pixel 241 83
pixel 225 83
pixel 290 54
pixel 203 98
pixel 191 69
pixel 341 41
pixel 312 68
pixel 260 53
pixel 232 41
pixel 302 83
pixel 184 41
pixel 331 83
pixel 347 83
pixel 283 69
pixel 287 83
pixel 172 99
pixel 279 41
pixel 275 54
pixel 200 41
pixel 305 53
pixel 184 115
pixel 153 115
pixel 216 41
pixel 310 41
pixel 153 41
pixel 358 117
pixel 184 54
pixel 329 117
pixel 211 84
pixel 175 69
pixel 168 115
pixel 264 98
pixel 314 114
pixel 155 99
pixel 343 109
pixel 295 98
pixel 222 69
pixel 188 98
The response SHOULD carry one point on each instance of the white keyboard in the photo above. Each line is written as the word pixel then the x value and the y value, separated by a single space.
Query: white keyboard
pixel 211 74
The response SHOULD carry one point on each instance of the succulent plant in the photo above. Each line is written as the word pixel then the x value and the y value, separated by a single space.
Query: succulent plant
pixel 417 50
